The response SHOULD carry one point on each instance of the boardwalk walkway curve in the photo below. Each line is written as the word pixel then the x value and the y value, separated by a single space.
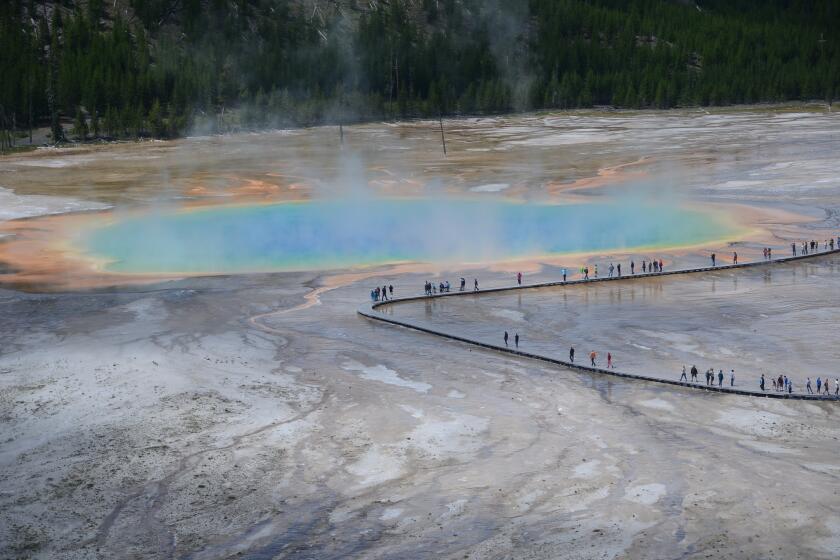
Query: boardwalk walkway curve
pixel 369 311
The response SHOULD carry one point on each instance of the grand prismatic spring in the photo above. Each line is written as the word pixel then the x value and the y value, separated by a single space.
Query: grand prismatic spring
pixel 344 233
pixel 184 372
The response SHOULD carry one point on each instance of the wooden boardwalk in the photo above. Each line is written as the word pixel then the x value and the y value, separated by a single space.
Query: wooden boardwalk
pixel 370 311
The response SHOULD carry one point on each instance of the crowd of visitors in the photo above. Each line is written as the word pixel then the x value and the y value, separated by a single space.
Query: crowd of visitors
pixel 779 384
pixel 712 379
pixel 382 294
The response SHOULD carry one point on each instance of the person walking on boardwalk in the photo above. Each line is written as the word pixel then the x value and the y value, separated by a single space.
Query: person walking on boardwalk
pixel 592 356
pixel 572 354
pixel 683 376
pixel 611 269
pixel 781 381
pixel 836 386
pixel 644 266
pixel 596 271
pixel 475 284
pixel 790 386
pixel 564 275
pixel 610 364
pixel 808 386
pixel 506 338
pixel 632 267
pixel 619 269
pixel 713 259
pixel 586 273
pixel 694 373
pixel 819 384
pixel 734 257
pixel 761 382
pixel 720 378
pixel 516 340
pixel 775 386
pixel 661 266
pixel 793 248
pixel 519 278
pixel 732 378
pixel 463 283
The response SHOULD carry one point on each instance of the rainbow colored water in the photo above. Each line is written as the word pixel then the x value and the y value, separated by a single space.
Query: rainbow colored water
pixel 334 234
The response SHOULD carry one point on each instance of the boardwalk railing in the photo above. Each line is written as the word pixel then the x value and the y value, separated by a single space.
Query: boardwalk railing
pixel 370 311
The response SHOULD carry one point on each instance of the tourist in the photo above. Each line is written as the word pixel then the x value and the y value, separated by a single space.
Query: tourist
pixel 720 378
pixel 761 382
pixel 586 273
pixel 506 338
pixel 819 384
pixel 372 295
pixel 694 373
pixel 572 354
pixel 781 383
pixel 391 289
pixel 632 267
pixel 713 259
pixel 564 275
pixel 519 278
pixel 790 387
pixel 734 257
pixel 836 386
pixel 831 244
pixel 516 340
pixel 596 271
pixel 732 378
pixel 769 253
pixel 644 266
pixel 609 361
pixel 808 386
pixel 708 377
pixel 765 253
pixel 683 376
pixel 775 387
pixel 611 269
pixel 787 382
pixel 793 248
pixel 661 266
pixel 618 268
pixel 463 283
pixel 826 389
pixel 475 285
pixel 592 356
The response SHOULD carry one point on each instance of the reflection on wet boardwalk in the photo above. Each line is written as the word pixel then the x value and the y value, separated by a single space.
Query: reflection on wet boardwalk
pixel 774 319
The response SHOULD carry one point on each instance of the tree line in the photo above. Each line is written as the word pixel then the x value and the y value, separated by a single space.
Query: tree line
pixel 158 68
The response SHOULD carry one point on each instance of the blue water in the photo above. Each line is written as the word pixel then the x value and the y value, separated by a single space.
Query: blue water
pixel 342 233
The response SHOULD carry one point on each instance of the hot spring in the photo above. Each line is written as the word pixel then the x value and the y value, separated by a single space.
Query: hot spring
pixel 331 234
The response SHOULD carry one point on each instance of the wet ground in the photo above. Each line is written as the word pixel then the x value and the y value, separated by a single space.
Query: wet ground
pixel 231 416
